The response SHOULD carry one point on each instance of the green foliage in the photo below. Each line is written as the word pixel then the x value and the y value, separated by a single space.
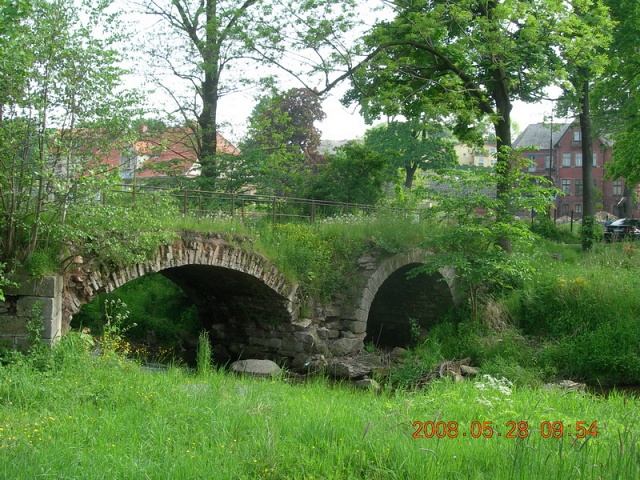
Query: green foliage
pixel 355 174
pixel 444 58
pixel 585 315
pixel 414 331
pixel 38 349
pixel 157 307
pixel 276 429
pixel 41 263
pixel 413 145
pixel 58 118
pixel 116 232
pixel 546 228
pixel 204 354
pixel 4 281
pixel 282 141
pixel 112 341
pixel 208 48
pixel 472 228
pixel 589 232
pixel 303 254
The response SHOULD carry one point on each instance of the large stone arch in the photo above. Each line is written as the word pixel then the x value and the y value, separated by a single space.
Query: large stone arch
pixel 244 301
pixel 390 303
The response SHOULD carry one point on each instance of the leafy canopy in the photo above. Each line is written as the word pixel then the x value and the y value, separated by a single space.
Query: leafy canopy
pixel 411 146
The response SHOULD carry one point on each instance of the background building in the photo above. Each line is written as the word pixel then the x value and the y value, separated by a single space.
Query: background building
pixel 555 152
pixel 484 156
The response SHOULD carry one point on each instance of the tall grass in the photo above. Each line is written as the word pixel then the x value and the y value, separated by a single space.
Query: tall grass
pixel 102 418
pixel 584 309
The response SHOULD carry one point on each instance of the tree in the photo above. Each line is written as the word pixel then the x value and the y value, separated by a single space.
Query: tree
pixel 282 141
pixel 474 57
pixel 208 40
pixel 617 95
pixel 355 174
pixel 465 205
pixel 15 60
pixel 412 146
pixel 70 110
pixel 582 44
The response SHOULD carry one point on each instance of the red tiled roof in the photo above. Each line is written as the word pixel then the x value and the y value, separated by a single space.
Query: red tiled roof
pixel 174 149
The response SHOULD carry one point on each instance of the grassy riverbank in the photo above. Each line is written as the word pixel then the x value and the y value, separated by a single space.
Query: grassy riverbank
pixel 104 417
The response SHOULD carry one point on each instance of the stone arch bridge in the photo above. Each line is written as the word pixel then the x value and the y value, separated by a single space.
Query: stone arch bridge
pixel 249 308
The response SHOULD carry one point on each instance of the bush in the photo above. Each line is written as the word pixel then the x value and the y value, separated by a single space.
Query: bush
pixel 547 228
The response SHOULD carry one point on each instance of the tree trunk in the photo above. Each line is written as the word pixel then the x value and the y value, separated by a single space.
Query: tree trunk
pixel 503 146
pixel 207 120
pixel 410 171
pixel 588 206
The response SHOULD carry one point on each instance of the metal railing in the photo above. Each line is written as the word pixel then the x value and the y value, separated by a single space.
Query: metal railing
pixel 202 203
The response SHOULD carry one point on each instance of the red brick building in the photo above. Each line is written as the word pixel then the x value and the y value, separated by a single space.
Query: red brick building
pixel 556 153
pixel 171 153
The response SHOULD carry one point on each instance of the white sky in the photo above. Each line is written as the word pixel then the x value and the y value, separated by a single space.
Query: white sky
pixel 346 123
pixel 341 123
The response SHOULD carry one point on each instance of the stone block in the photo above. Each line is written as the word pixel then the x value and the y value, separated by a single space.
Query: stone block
pixel 323 333
pixel 345 346
pixel 51 313
pixel 50 286
pixel 308 337
pixel 303 323
pixel 319 348
pixel 355 327
pixel 262 368
pixel 11 325
pixel 272 342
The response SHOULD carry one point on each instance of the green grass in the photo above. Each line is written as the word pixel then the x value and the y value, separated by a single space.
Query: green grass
pixel 108 418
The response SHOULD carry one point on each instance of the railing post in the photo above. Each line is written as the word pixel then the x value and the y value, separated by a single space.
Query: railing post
pixel 233 205
pixel 313 211
pixel 184 203
pixel 571 216
pixel 200 205
pixel 273 210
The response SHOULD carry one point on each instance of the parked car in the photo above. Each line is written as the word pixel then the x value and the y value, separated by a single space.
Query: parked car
pixel 622 229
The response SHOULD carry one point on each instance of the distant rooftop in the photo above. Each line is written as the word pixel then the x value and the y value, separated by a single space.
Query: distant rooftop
pixel 329 147
pixel 539 134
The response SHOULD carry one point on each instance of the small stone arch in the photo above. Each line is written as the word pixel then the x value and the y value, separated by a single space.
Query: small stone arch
pixel 390 302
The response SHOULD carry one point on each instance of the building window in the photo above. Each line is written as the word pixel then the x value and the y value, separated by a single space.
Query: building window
pixel 566 159
pixel 564 209
pixel 578 159
pixel 579 208
pixel 617 187
pixel 566 186
pixel 578 186
pixel 595 159
pixel 494 162
pixel 532 163
pixel 547 161
pixel 577 136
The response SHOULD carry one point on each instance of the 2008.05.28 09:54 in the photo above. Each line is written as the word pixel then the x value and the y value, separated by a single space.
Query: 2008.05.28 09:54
pixel 521 429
